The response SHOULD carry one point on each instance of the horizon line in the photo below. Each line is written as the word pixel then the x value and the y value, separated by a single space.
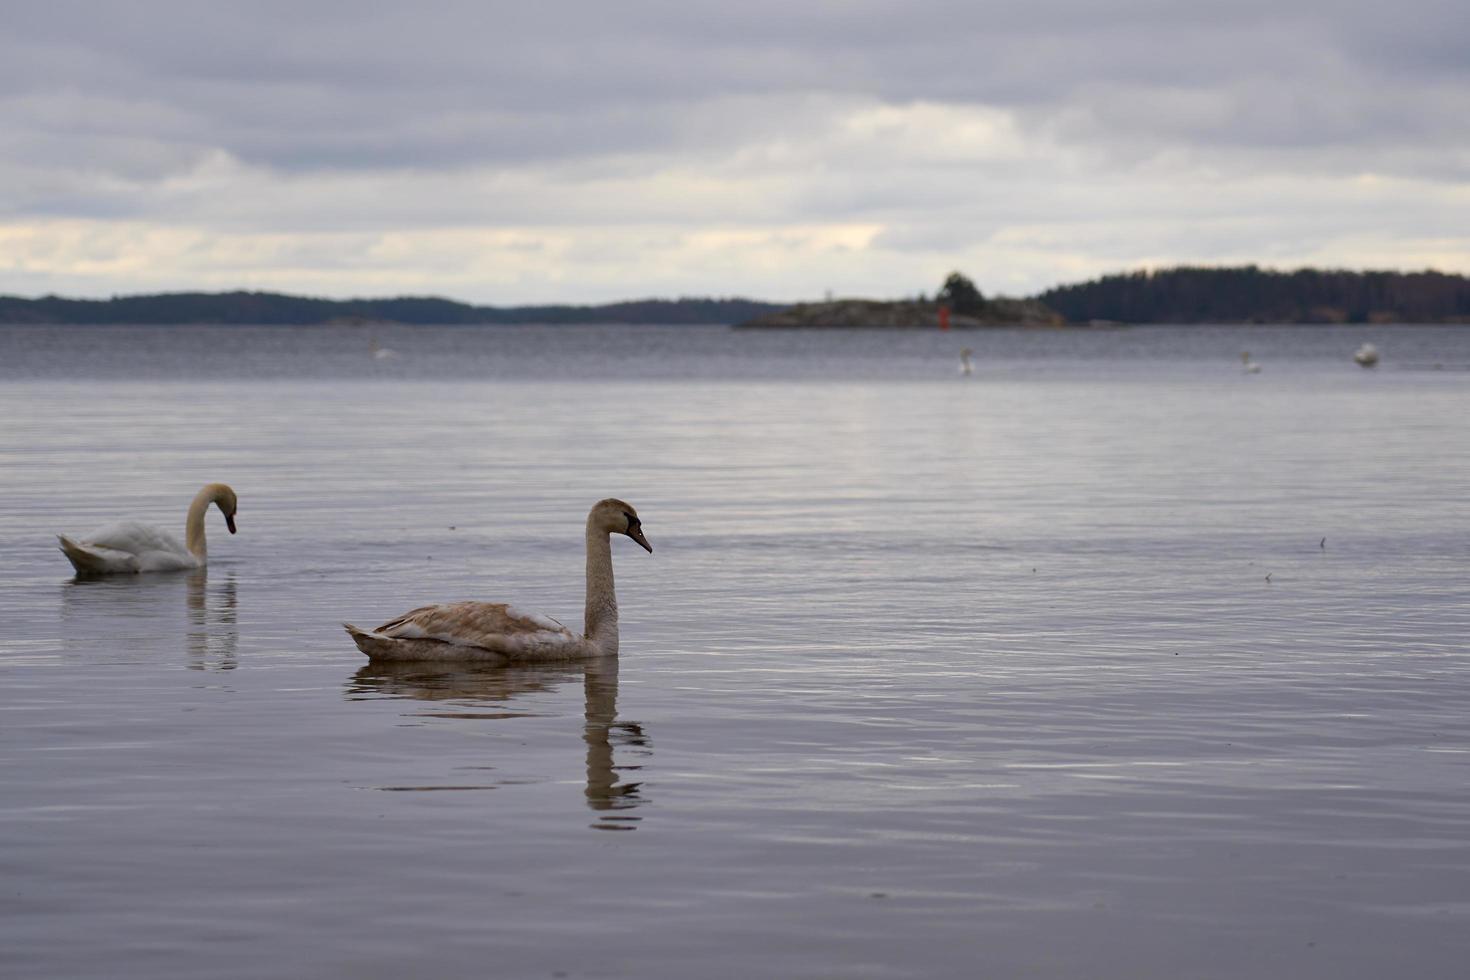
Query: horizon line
pixel 832 296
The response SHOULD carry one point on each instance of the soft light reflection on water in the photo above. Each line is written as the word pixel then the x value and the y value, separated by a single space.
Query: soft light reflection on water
pixel 928 676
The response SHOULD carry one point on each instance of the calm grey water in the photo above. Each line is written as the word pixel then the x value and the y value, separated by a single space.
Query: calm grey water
pixel 928 676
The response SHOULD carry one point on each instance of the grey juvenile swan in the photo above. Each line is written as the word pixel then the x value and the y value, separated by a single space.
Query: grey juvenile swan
pixel 492 632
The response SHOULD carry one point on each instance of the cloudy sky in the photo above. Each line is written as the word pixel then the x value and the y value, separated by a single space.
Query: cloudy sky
pixel 593 150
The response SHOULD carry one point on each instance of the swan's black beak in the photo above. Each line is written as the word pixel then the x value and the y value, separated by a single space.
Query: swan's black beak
pixel 230 522
pixel 636 533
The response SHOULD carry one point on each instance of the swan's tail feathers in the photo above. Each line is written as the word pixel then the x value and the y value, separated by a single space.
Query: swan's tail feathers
pixel 379 647
pixel 86 560
pixel 369 643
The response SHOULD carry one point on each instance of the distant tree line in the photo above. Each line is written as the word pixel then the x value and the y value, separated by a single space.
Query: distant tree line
pixel 275 308
pixel 1187 294
pixel 1248 294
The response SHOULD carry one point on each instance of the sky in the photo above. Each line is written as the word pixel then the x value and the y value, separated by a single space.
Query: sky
pixel 586 151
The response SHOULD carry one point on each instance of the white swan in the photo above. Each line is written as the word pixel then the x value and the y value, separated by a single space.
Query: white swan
pixel 966 368
pixel 1248 365
pixel 1366 356
pixel 497 633
pixel 133 547
pixel 381 353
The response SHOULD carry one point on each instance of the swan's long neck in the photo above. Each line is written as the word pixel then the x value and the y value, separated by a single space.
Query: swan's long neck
pixel 600 617
pixel 194 523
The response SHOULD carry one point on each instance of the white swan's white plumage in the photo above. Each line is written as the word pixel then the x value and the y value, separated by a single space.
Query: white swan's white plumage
pixel 127 546
pixel 497 633
pixel 381 353
pixel 1366 356
pixel 130 547
pixel 1248 365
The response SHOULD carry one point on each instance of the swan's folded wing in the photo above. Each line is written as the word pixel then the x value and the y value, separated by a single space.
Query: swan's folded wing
pixel 487 625
pixel 135 538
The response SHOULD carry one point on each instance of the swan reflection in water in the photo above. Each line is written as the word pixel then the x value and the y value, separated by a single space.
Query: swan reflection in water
pixel 124 615
pixel 608 793
pixel 214 630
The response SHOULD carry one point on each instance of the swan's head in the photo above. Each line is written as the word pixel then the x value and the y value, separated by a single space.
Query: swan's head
pixel 224 499
pixel 613 516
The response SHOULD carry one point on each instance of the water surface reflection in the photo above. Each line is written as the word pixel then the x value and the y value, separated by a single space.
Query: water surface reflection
pixel 214 632
pixel 478 693
pixel 603 733
pixel 121 614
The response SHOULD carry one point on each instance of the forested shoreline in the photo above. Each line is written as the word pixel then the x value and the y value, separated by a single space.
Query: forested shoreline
pixel 1183 295
pixel 1248 294
pixel 241 307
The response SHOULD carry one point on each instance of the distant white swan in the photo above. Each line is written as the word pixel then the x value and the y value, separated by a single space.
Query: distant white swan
pixel 380 352
pixel 496 633
pixel 1366 356
pixel 1250 366
pixel 130 547
pixel 966 368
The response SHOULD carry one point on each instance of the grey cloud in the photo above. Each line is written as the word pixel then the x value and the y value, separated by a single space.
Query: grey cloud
pixel 1135 128
pixel 349 85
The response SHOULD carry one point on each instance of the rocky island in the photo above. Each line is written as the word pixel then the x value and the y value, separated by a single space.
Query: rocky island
pixel 957 300
pixel 906 314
